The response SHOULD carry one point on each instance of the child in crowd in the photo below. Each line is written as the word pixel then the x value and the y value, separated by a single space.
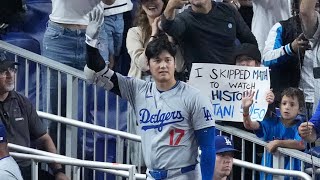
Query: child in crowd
pixel 247 54
pixel 277 131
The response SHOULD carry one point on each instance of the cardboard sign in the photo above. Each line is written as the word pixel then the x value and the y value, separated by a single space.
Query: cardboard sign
pixel 224 85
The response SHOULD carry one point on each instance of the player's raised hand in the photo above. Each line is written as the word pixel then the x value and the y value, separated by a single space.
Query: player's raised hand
pixel 176 4
pixel 270 97
pixel 247 99
pixel 93 28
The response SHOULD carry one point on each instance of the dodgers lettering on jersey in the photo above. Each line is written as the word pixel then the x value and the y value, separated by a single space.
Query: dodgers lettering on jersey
pixel 157 121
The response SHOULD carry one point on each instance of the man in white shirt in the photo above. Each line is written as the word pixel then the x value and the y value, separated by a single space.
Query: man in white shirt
pixel 311 28
pixel 265 14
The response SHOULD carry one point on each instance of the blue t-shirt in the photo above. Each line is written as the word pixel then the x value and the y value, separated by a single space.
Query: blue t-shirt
pixel 273 129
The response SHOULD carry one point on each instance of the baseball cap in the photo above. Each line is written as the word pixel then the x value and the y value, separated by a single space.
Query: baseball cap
pixel 3 135
pixel 5 63
pixel 224 144
pixel 247 49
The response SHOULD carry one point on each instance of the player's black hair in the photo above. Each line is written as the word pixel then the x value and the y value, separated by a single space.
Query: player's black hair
pixel 294 92
pixel 158 45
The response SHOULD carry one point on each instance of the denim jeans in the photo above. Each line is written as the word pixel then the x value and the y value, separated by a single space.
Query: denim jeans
pixel 66 46
pixel 111 35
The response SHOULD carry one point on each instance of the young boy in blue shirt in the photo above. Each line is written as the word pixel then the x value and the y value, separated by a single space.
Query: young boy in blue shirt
pixel 277 131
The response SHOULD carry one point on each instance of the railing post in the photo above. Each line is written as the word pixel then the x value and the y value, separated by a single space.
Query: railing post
pixel 253 160
pixel 76 173
pixel 243 156
pixel 119 151
pixel 71 112
pixel 278 163
pixel 132 173
pixel 34 170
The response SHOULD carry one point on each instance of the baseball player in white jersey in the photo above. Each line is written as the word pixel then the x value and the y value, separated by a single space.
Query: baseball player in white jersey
pixel 173 117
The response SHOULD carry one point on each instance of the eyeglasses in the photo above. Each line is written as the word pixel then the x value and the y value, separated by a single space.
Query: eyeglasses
pixel 7 72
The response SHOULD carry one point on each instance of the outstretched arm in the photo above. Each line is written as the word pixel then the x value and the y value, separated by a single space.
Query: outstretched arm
pixel 94 61
pixel 96 70
pixel 276 52
pixel 169 12
pixel 172 25
pixel 292 144
pixel 205 138
pixel 244 33
pixel 308 17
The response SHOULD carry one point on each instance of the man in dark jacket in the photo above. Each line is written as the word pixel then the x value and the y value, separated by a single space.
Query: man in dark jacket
pixel 207 31
pixel 23 125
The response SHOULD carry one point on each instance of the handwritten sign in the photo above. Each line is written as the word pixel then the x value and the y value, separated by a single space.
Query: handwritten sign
pixel 224 84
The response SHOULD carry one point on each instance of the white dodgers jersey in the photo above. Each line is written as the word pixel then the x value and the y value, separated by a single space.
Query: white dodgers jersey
pixel 167 121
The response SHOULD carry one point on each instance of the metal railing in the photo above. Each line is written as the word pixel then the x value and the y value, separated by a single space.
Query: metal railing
pixel 88 126
pixel 136 138
pixel 293 153
pixel 122 137
pixel 76 163
pixel 18 148
pixel 281 172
